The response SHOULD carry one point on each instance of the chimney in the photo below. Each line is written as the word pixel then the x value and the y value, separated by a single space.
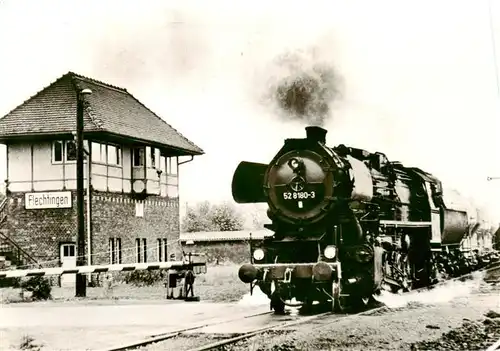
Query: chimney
pixel 316 134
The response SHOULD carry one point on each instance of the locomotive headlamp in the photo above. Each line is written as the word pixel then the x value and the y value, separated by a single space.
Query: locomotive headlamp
pixel 330 252
pixel 258 254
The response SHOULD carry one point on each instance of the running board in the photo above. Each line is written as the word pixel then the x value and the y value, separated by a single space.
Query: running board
pixel 405 224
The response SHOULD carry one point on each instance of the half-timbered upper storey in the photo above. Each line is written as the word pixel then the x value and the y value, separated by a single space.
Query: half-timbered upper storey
pixel 132 150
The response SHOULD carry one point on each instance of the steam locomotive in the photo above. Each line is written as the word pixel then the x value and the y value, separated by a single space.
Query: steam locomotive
pixel 348 223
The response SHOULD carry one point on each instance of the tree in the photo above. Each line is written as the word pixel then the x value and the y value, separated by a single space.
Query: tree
pixel 206 217
pixel 256 216
pixel 197 218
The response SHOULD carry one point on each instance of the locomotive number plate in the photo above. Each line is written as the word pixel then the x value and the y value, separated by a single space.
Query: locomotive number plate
pixel 302 195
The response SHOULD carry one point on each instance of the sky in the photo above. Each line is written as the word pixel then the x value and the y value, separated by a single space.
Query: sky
pixel 417 79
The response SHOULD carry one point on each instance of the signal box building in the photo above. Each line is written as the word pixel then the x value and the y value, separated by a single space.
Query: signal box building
pixel 132 157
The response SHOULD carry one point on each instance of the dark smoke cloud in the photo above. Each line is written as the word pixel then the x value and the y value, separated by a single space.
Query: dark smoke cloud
pixel 303 88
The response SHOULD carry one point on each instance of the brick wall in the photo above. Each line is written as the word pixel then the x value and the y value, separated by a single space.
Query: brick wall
pixel 40 232
pixel 114 215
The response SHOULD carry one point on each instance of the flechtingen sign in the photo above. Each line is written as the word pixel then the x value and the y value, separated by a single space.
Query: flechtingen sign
pixel 46 200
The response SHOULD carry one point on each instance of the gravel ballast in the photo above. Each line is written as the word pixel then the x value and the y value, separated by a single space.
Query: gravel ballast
pixel 463 320
pixel 414 328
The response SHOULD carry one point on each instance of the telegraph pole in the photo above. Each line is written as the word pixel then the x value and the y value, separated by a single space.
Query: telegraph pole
pixel 81 283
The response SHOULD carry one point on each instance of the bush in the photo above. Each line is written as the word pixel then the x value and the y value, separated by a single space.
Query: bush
pixel 220 252
pixel 10 283
pixel 145 278
pixel 39 287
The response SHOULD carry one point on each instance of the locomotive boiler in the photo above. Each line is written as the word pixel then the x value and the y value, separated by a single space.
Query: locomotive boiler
pixel 347 223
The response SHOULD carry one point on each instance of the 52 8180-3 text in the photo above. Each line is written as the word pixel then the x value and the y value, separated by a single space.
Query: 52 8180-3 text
pixel 299 195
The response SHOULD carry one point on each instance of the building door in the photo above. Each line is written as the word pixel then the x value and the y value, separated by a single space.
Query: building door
pixel 68 260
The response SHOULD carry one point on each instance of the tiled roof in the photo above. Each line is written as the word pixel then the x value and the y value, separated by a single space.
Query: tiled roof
pixel 110 109
pixel 226 236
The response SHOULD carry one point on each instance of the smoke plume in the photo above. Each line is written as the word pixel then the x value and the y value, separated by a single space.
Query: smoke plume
pixel 303 88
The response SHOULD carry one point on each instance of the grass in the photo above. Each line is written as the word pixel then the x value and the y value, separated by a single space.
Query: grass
pixel 219 284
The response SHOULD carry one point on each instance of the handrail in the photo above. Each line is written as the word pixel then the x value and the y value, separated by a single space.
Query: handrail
pixel 3 216
pixel 3 205
pixel 20 249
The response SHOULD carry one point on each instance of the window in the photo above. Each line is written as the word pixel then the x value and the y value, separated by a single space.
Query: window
pixel 106 153
pixel 112 257
pixel 118 155
pixel 139 209
pixel 115 251
pixel 160 247
pixel 114 155
pixel 172 165
pixel 64 151
pixel 69 250
pixel 142 254
pixel 165 258
pixel 96 152
pixel 119 250
pixel 57 151
pixel 102 153
pixel 138 157
pixel 153 157
pixel 70 150
pixel 138 249
pixel 163 164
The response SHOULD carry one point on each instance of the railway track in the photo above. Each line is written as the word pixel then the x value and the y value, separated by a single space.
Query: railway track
pixel 278 324
pixel 281 326
pixel 250 334
pixel 172 334
pixel 233 340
